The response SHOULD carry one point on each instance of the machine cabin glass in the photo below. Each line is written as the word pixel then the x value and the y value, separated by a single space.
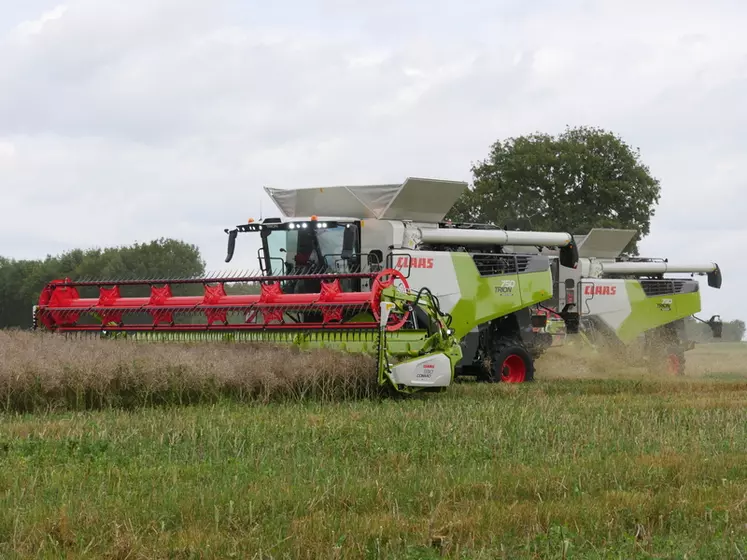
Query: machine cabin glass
pixel 308 247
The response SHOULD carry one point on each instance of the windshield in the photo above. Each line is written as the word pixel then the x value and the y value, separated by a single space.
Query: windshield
pixel 330 243
pixel 306 248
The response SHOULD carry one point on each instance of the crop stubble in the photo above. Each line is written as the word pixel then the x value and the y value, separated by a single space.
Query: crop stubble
pixel 621 467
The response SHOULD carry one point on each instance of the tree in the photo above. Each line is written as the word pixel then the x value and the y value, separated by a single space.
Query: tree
pixel 581 179
pixel 21 282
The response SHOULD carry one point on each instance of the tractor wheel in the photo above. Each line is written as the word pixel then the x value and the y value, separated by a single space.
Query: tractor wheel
pixel 511 363
pixel 676 361
pixel 670 360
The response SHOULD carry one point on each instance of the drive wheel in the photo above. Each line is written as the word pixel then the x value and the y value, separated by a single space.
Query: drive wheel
pixel 670 360
pixel 676 361
pixel 511 363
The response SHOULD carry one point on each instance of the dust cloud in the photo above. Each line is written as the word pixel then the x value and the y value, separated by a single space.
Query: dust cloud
pixel 714 360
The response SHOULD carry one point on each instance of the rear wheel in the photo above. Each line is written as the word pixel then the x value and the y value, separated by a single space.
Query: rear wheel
pixel 511 363
pixel 665 351
pixel 668 359
pixel 676 361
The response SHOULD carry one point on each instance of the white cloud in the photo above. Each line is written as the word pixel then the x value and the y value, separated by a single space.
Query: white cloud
pixel 7 152
pixel 34 27
pixel 125 121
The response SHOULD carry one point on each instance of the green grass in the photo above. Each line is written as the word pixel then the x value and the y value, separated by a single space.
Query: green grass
pixel 579 468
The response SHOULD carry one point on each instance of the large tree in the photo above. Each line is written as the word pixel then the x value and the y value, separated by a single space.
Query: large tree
pixel 583 178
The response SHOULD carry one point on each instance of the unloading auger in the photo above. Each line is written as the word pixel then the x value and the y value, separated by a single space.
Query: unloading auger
pixel 377 322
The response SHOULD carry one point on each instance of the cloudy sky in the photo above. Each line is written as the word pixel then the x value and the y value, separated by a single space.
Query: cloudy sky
pixel 128 121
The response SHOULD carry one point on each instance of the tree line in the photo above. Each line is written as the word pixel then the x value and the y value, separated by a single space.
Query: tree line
pixel 21 281
pixel 582 178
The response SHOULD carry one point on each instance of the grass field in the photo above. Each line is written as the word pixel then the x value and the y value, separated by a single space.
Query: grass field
pixel 591 461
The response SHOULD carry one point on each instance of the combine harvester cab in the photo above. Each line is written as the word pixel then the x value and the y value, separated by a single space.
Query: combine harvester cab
pixel 485 291
pixel 628 302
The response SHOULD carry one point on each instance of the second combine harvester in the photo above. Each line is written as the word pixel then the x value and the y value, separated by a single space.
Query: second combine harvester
pixel 629 305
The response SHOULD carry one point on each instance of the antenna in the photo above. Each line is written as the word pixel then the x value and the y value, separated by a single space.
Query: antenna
pixel 261 217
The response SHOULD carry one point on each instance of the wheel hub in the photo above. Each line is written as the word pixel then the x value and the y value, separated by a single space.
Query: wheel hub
pixel 513 369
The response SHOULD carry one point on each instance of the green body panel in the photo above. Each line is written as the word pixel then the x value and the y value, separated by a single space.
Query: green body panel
pixel 484 298
pixel 648 313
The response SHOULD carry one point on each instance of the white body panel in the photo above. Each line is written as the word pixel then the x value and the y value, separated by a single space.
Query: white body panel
pixel 607 299
pixel 380 234
pixel 431 269
pixel 448 236
pixel 431 371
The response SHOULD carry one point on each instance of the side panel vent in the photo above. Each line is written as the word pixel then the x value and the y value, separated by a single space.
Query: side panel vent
pixel 654 288
pixel 492 264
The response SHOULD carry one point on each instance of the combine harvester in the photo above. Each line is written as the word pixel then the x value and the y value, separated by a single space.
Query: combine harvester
pixel 486 291
pixel 627 304
pixel 379 273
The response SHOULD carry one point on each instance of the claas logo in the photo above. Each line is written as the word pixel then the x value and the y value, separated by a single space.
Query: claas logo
pixel 416 262
pixel 592 290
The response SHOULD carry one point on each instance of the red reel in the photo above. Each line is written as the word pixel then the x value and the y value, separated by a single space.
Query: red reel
pixel 385 279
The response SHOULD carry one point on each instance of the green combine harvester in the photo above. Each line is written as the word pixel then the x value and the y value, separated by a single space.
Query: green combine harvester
pixel 629 305
pixel 372 269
